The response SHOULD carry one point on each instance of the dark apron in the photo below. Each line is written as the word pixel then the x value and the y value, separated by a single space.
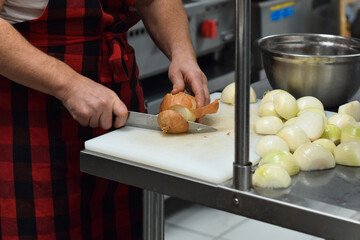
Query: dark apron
pixel 43 194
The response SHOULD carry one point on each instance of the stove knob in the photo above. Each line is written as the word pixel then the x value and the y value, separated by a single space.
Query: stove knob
pixel 209 29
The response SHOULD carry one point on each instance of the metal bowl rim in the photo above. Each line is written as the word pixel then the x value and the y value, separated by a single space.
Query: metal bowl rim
pixel 294 55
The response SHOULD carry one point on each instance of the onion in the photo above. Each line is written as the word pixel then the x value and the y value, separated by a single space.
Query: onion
pixel 313 156
pixel 285 105
pixel 350 133
pixel 267 109
pixel 309 102
pixel 253 98
pixel 184 112
pixel 268 125
pixel 332 132
pixel 283 159
pixel 291 121
pixel 294 136
pixel 270 143
pixel 268 97
pixel 228 94
pixel 180 98
pixel 328 144
pixel 312 123
pixel 351 108
pixel 177 109
pixel 172 122
pixel 271 176
pixel 341 120
pixel 317 110
pixel 348 154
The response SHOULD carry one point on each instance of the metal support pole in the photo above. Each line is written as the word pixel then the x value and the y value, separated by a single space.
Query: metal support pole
pixel 242 166
pixel 153 218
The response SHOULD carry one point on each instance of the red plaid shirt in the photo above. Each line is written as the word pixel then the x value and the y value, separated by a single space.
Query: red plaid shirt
pixel 43 194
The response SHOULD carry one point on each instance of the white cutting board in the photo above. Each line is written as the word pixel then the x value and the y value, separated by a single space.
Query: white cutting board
pixel 205 156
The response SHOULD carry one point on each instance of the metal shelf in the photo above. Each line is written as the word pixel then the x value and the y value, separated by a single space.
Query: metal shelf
pixel 321 203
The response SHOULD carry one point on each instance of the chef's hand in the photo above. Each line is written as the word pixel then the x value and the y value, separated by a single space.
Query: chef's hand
pixel 185 74
pixel 92 104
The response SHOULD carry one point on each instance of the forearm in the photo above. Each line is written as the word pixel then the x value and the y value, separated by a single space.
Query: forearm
pixel 23 63
pixel 167 24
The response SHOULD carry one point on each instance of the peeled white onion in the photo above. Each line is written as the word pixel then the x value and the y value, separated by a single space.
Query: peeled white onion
pixel 317 110
pixel 283 159
pixel 271 176
pixel 309 102
pixel 270 143
pixel 253 98
pixel 285 105
pixel 294 136
pixel 228 94
pixel 341 120
pixel 267 109
pixel 268 96
pixel 351 108
pixel 332 132
pixel 351 133
pixel 328 144
pixel 313 156
pixel 348 154
pixel 268 125
pixel 290 121
pixel 312 123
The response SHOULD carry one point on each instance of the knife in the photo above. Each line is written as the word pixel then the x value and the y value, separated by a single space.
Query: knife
pixel 149 121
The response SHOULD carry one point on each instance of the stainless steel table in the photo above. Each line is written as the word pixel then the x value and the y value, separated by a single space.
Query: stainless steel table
pixel 321 203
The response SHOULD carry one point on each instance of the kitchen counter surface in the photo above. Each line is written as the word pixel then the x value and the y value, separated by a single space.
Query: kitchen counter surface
pixel 321 203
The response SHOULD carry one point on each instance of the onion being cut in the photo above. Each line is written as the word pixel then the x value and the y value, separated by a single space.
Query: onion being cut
pixel 177 109
pixel 172 122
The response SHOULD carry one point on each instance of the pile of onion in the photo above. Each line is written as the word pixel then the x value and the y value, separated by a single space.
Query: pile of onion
pixel 177 109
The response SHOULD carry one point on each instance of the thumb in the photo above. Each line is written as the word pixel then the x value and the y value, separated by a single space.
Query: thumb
pixel 121 114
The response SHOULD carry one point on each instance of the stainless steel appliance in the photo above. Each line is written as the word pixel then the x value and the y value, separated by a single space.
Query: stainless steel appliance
pixel 212 31
pixel 211 26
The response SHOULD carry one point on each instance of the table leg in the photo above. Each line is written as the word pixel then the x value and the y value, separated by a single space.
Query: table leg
pixel 153 218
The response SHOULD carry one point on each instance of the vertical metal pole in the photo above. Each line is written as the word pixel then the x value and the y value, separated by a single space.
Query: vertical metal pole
pixel 153 219
pixel 242 166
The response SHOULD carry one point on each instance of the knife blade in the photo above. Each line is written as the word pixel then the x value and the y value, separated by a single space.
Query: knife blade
pixel 149 121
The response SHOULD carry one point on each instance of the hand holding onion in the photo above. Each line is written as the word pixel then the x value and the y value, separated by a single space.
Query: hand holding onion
pixel 177 109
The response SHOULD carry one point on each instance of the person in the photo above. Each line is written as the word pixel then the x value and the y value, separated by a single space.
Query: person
pixel 66 69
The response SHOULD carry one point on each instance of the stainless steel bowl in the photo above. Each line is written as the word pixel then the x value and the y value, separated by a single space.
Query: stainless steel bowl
pixel 319 65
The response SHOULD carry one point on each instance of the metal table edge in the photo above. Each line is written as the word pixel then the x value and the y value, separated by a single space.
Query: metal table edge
pixel 311 217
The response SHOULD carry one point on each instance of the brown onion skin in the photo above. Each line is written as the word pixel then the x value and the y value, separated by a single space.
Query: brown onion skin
pixel 208 109
pixel 180 98
pixel 172 122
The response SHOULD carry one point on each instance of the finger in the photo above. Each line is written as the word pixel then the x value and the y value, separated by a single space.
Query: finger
pixel 106 120
pixel 198 90
pixel 206 89
pixel 121 113
pixel 94 120
pixel 83 121
pixel 178 82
